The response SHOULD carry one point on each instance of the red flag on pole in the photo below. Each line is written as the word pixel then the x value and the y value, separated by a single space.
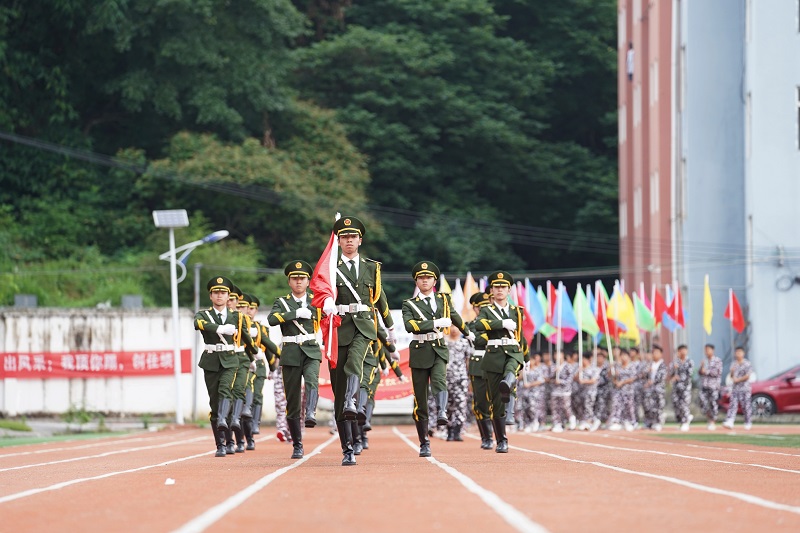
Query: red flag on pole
pixel 323 285
pixel 608 326
pixel 659 306
pixel 552 296
pixel 675 309
pixel 734 312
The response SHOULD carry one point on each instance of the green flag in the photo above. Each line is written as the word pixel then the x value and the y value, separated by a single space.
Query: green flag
pixel 583 313
pixel 547 329
pixel 644 318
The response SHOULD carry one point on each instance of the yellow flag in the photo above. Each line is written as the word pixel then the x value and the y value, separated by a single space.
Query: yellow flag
pixel 444 287
pixel 470 288
pixel 708 308
pixel 620 308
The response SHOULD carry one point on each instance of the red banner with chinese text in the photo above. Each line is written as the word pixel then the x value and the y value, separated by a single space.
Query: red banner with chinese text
pixel 103 364
pixel 390 388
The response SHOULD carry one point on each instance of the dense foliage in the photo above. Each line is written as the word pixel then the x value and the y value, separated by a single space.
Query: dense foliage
pixel 476 133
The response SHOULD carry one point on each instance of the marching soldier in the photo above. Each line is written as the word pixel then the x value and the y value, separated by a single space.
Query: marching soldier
pixel 681 378
pixel 245 357
pixel 218 326
pixel 710 382
pixel 740 391
pixel 301 355
pixel 359 297
pixel 383 350
pixel 460 350
pixel 654 391
pixel 506 351
pixel 477 377
pixel 427 317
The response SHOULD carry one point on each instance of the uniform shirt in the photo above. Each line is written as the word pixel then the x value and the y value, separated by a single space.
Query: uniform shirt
pixel 684 370
pixel 739 371
pixel 604 382
pixel 625 373
pixel 712 379
pixel 657 375
pixel 562 380
pixel 534 374
pixel 460 350
pixel 590 372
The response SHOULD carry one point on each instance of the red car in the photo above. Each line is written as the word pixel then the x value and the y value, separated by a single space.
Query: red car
pixel 778 394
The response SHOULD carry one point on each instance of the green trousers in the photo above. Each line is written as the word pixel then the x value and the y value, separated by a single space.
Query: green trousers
pixel 240 378
pixel 258 383
pixel 480 398
pixel 218 385
pixel 420 378
pixel 292 381
pixel 350 362
pixel 497 408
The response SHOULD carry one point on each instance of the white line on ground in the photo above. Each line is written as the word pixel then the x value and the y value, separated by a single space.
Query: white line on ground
pixel 691 445
pixel 101 441
pixel 105 454
pixel 205 520
pixel 506 511
pixel 748 498
pixel 656 452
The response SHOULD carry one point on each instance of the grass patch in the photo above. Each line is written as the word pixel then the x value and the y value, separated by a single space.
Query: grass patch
pixel 15 425
pixel 750 439
pixel 21 441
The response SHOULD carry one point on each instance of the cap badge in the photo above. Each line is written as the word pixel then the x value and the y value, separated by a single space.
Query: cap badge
pixel 347 222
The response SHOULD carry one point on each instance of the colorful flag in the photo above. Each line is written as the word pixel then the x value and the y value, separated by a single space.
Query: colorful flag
pixel 564 318
pixel 591 299
pixel 457 297
pixel 659 306
pixel 552 296
pixel 470 288
pixel 583 313
pixel 533 306
pixel 644 318
pixel 675 310
pixel 444 287
pixel 323 286
pixel 528 325
pixel 733 312
pixel 708 307
pixel 607 325
pixel 620 308
pixel 546 328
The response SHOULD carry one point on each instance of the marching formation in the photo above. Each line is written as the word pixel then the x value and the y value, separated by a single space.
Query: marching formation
pixel 485 364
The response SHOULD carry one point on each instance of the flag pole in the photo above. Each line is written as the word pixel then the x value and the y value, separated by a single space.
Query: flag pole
pixel 730 311
pixel 559 352
pixel 608 333
pixel 580 336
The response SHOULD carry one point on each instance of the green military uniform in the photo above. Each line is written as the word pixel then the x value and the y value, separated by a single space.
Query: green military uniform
pixel 477 377
pixel 240 379
pixel 301 355
pixel 219 360
pixel 506 351
pixel 428 354
pixel 359 298
pixel 266 358
pixel 382 349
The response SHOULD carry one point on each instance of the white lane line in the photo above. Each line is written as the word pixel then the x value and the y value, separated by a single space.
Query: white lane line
pixel 57 486
pixel 656 452
pixel 506 511
pixel 748 498
pixel 205 520
pixel 95 444
pixel 105 454
pixel 671 442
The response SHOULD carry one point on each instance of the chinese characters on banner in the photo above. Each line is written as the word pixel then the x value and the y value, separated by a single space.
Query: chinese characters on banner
pixel 92 364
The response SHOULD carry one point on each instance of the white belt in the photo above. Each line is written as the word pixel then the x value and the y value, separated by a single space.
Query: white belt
pixel 352 308
pixel 218 347
pixel 502 342
pixel 478 353
pixel 299 339
pixel 432 336
pixel 239 349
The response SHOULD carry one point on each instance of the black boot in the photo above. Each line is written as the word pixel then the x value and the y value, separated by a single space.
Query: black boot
pixel 356 431
pixel 361 416
pixel 256 422
pixel 223 411
pixel 487 443
pixel 482 432
pixel 247 412
pixel 312 395
pixel 441 408
pixel 457 433
pixel 500 431
pixel 219 442
pixel 370 408
pixel 424 442
pixel 449 433
pixel 247 427
pixel 345 438
pixel 505 387
pixel 296 432
pixel 230 447
pixel 364 439
pixel 236 425
pixel 510 411
pixel 350 411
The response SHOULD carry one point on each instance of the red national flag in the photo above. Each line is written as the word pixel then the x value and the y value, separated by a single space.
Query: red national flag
pixel 323 285
pixel 552 296
pixel 659 306
pixel 608 326
pixel 733 312
pixel 675 309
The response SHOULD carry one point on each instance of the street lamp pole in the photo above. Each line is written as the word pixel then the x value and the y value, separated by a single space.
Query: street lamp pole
pixel 176 333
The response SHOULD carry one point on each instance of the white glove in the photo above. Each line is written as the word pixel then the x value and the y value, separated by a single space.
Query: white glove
pixel 403 378
pixel 226 329
pixel 442 322
pixel 509 324
pixel 253 366
pixel 471 336
pixel 395 356
pixel 329 307
pixel 391 337
pixel 254 332
pixel 303 312
pixel 260 356
pixel 385 372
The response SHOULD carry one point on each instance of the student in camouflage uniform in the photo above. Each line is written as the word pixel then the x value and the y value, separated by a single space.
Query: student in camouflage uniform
pixel 572 358
pixel 740 391
pixel 602 405
pixel 561 392
pixel 480 399
pixel 266 361
pixel 710 383
pixel 623 404
pixel 428 317
pixel 587 378
pixel 532 394
pixel 301 354
pixel 638 362
pixel 654 396
pixel 680 375
pixel 547 372
pixel 460 351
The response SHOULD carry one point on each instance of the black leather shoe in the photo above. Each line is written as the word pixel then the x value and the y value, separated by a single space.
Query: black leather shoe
pixel 297 450
pixel 230 449
pixel 424 442
pixel 312 396
pixel 350 411
pixel 505 387
pixel 348 459
pixel 441 408
pixel 251 445
pixel 500 431
pixel 346 440
pixel 240 447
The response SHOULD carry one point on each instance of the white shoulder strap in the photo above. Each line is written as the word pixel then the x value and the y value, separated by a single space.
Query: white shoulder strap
pixel 349 285
pixel 283 301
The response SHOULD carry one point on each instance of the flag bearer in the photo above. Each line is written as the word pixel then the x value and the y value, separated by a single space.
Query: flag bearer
pixel 301 355
pixel 602 406
pixel 506 351
pixel 459 349
pixel 561 394
pixel 654 397
pixel 587 379
pixel 681 378
pixel 740 392
pixel 710 382
pixel 428 317
pixel 623 397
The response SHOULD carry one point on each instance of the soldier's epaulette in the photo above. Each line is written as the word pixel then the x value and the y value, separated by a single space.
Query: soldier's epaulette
pixel 371 260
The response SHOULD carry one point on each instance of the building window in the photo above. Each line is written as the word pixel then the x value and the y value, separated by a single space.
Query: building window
pixel 622 28
pixel 637 105
pixel 654 196
pixel 623 124
pixel 623 220
pixel 654 82
pixel 637 207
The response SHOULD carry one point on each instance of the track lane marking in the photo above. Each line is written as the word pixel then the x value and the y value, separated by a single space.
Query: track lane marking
pixel 748 498
pixel 208 518
pixel 693 445
pixel 506 511
pixel 98 443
